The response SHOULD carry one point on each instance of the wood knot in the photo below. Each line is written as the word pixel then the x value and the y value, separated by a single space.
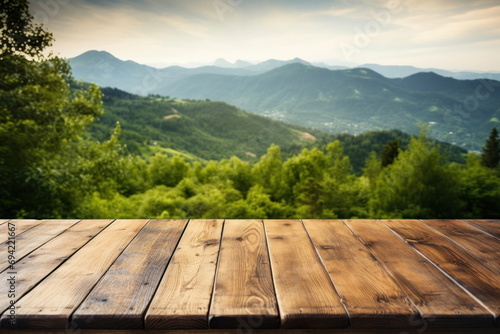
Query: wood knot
pixel 381 298
pixel 211 243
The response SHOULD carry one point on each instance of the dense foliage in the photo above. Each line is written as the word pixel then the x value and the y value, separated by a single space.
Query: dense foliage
pixel 314 183
pixel 45 165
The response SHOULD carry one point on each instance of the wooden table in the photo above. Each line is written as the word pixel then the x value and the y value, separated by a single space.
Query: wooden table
pixel 246 276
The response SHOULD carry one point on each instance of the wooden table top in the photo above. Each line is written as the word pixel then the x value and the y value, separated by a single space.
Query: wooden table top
pixel 349 275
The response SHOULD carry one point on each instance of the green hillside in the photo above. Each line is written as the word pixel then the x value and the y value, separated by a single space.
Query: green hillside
pixel 202 129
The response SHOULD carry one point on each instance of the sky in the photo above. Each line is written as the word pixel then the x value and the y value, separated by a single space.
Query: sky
pixel 446 34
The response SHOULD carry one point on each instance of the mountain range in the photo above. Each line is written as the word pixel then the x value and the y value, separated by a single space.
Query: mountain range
pixel 389 71
pixel 295 91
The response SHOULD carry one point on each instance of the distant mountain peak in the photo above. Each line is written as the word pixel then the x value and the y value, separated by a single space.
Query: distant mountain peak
pixel 221 62
pixel 96 53
pixel 427 74
pixel 242 63
pixel 430 81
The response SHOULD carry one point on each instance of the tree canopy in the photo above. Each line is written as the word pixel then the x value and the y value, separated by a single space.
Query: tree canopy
pixel 41 119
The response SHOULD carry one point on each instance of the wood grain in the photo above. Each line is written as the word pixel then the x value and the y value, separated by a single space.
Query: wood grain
pixel 482 281
pixel 34 237
pixel 19 227
pixel 482 246
pixel 441 303
pixel 306 296
pixel 447 269
pixel 489 226
pixel 120 298
pixel 244 293
pixel 370 295
pixel 33 268
pixel 50 304
pixel 22 225
pixel 182 300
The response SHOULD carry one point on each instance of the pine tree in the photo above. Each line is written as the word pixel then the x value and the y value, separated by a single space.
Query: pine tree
pixel 491 150
pixel 390 153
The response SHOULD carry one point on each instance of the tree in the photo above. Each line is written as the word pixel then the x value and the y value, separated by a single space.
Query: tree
pixel 341 195
pixel 167 171
pixel 238 172
pixel 480 189
pixel 373 168
pixel 268 172
pixel 491 151
pixel 417 185
pixel 304 175
pixel 40 117
pixel 390 152
pixel 19 36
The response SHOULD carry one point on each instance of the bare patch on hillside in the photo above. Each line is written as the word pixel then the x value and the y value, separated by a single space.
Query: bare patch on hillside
pixel 307 136
pixel 172 116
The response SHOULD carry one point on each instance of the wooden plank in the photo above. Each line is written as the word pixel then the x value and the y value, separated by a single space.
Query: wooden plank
pixel 306 296
pixel 261 331
pixel 244 293
pixel 482 281
pixel 33 238
pixel 441 303
pixel 33 268
pixel 120 298
pixel 20 226
pixel 183 297
pixel 370 295
pixel 3 221
pixel 50 304
pixel 482 246
pixel 489 226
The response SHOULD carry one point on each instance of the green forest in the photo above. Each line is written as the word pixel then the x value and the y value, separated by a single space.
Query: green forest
pixel 67 151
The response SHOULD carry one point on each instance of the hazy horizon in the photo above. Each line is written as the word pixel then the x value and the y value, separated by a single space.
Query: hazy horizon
pixel 256 62
pixel 445 34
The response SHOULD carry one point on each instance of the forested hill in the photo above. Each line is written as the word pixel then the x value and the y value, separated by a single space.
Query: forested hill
pixel 201 130
pixel 206 130
pixel 356 100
